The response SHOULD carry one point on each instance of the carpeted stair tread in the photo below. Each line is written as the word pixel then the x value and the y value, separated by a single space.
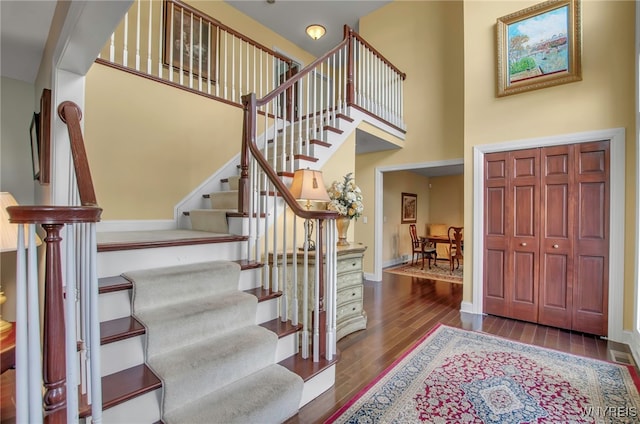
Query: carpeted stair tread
pixel 211 220
pixel 214 362
pixel 202 341
pixel 157 287
pixel 227 199
pixel 193 321
pixel 234 182
pixel 270 395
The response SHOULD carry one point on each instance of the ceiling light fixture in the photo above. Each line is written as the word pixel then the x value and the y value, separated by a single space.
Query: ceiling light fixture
pixel 316 31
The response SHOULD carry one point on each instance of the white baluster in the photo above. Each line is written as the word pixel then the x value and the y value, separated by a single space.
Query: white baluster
pixel 33 328
pixel 71 351
pixel 138 38
pixel 149 25
pixel 96 378
pixel 171 46
pixel 125 52
pixel 160 37
pixel 316 302
pixel 305 295
pixel 112 48
pixel 22 339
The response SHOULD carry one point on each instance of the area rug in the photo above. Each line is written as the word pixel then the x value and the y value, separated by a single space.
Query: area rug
pixel 440 272
pixel 458 376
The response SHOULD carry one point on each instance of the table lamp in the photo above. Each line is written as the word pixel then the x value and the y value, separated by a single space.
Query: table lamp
pixel 8 243
pixel 308 185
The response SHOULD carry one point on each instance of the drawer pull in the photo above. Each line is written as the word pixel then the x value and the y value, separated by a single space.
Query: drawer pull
pixel 353 294
pixel 523 244
pixel 353 309
pixel 555 246
pixel 353 264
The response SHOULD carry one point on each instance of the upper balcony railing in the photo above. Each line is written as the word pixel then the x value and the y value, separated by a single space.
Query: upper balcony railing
pixel 173 43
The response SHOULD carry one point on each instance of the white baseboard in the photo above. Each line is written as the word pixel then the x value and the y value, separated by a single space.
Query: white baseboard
pixel 633 340
pixel 468 307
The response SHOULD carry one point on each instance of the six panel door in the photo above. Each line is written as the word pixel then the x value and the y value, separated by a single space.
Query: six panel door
pixel 546 238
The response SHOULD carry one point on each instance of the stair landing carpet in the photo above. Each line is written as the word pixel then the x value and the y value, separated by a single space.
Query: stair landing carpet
pixel 215 364
pixel 458 376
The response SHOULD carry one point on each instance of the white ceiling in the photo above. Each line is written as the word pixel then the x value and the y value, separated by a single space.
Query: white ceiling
pixel 290 18
pixel 24 28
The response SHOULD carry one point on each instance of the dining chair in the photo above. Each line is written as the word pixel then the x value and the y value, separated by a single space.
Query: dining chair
pixel 419 247
pixel 455 246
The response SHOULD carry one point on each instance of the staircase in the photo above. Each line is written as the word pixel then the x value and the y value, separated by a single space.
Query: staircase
pixel 132 391
pixel 239 215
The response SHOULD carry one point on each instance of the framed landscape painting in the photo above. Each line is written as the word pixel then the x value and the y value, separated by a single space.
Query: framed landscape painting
pixel 539 47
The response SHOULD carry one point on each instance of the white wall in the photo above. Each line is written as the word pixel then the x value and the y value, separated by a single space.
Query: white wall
pixel 16 111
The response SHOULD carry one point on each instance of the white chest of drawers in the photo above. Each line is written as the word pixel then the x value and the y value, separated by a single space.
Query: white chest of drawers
pixel 350 313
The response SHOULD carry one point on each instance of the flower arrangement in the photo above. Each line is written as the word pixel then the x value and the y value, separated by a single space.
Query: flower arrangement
pixel 346 197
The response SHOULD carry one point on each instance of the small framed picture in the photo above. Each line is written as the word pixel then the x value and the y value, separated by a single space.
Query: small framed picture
pixel 409 208
pixel 34 134
pixel 539 47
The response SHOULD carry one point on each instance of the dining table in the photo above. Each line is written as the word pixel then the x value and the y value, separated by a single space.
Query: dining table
pixel 435 240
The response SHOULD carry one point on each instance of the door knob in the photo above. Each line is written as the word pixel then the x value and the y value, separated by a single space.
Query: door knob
pixel 555 246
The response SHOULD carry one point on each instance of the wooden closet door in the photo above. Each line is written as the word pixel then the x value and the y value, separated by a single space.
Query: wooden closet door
pixel 496 291
pixel 557 204
pixel 591 244
pixel 523 224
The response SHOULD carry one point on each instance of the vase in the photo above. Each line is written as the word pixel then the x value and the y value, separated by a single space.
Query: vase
pixel 343 225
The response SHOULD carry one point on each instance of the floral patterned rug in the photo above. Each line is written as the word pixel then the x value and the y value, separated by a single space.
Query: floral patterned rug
pixel 458 376
pixel 440 272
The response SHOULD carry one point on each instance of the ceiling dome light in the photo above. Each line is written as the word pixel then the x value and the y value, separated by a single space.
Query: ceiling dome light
pixel 316 31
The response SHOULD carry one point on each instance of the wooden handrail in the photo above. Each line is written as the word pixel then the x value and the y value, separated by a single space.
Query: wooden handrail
pixel 71 115
pixel 298 76
pixel 249 144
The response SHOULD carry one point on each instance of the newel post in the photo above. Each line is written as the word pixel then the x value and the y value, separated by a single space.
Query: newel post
pixel 54 357
pixel 350 90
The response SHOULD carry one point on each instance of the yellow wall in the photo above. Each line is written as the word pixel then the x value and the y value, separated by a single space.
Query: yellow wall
pixel 425 40
pixel 397 241
pixel 446 200
pixel 166 140
pixel 603 99
pixel 149 151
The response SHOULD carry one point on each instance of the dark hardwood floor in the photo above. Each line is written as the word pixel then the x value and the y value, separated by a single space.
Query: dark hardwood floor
pixel 400 309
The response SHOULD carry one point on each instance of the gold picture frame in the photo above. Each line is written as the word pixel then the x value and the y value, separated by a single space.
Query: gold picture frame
pixel 539 47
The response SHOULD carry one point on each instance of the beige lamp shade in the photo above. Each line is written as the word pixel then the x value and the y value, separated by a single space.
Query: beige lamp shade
pixel 316 31
pixel 9 231
pixel 308 185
